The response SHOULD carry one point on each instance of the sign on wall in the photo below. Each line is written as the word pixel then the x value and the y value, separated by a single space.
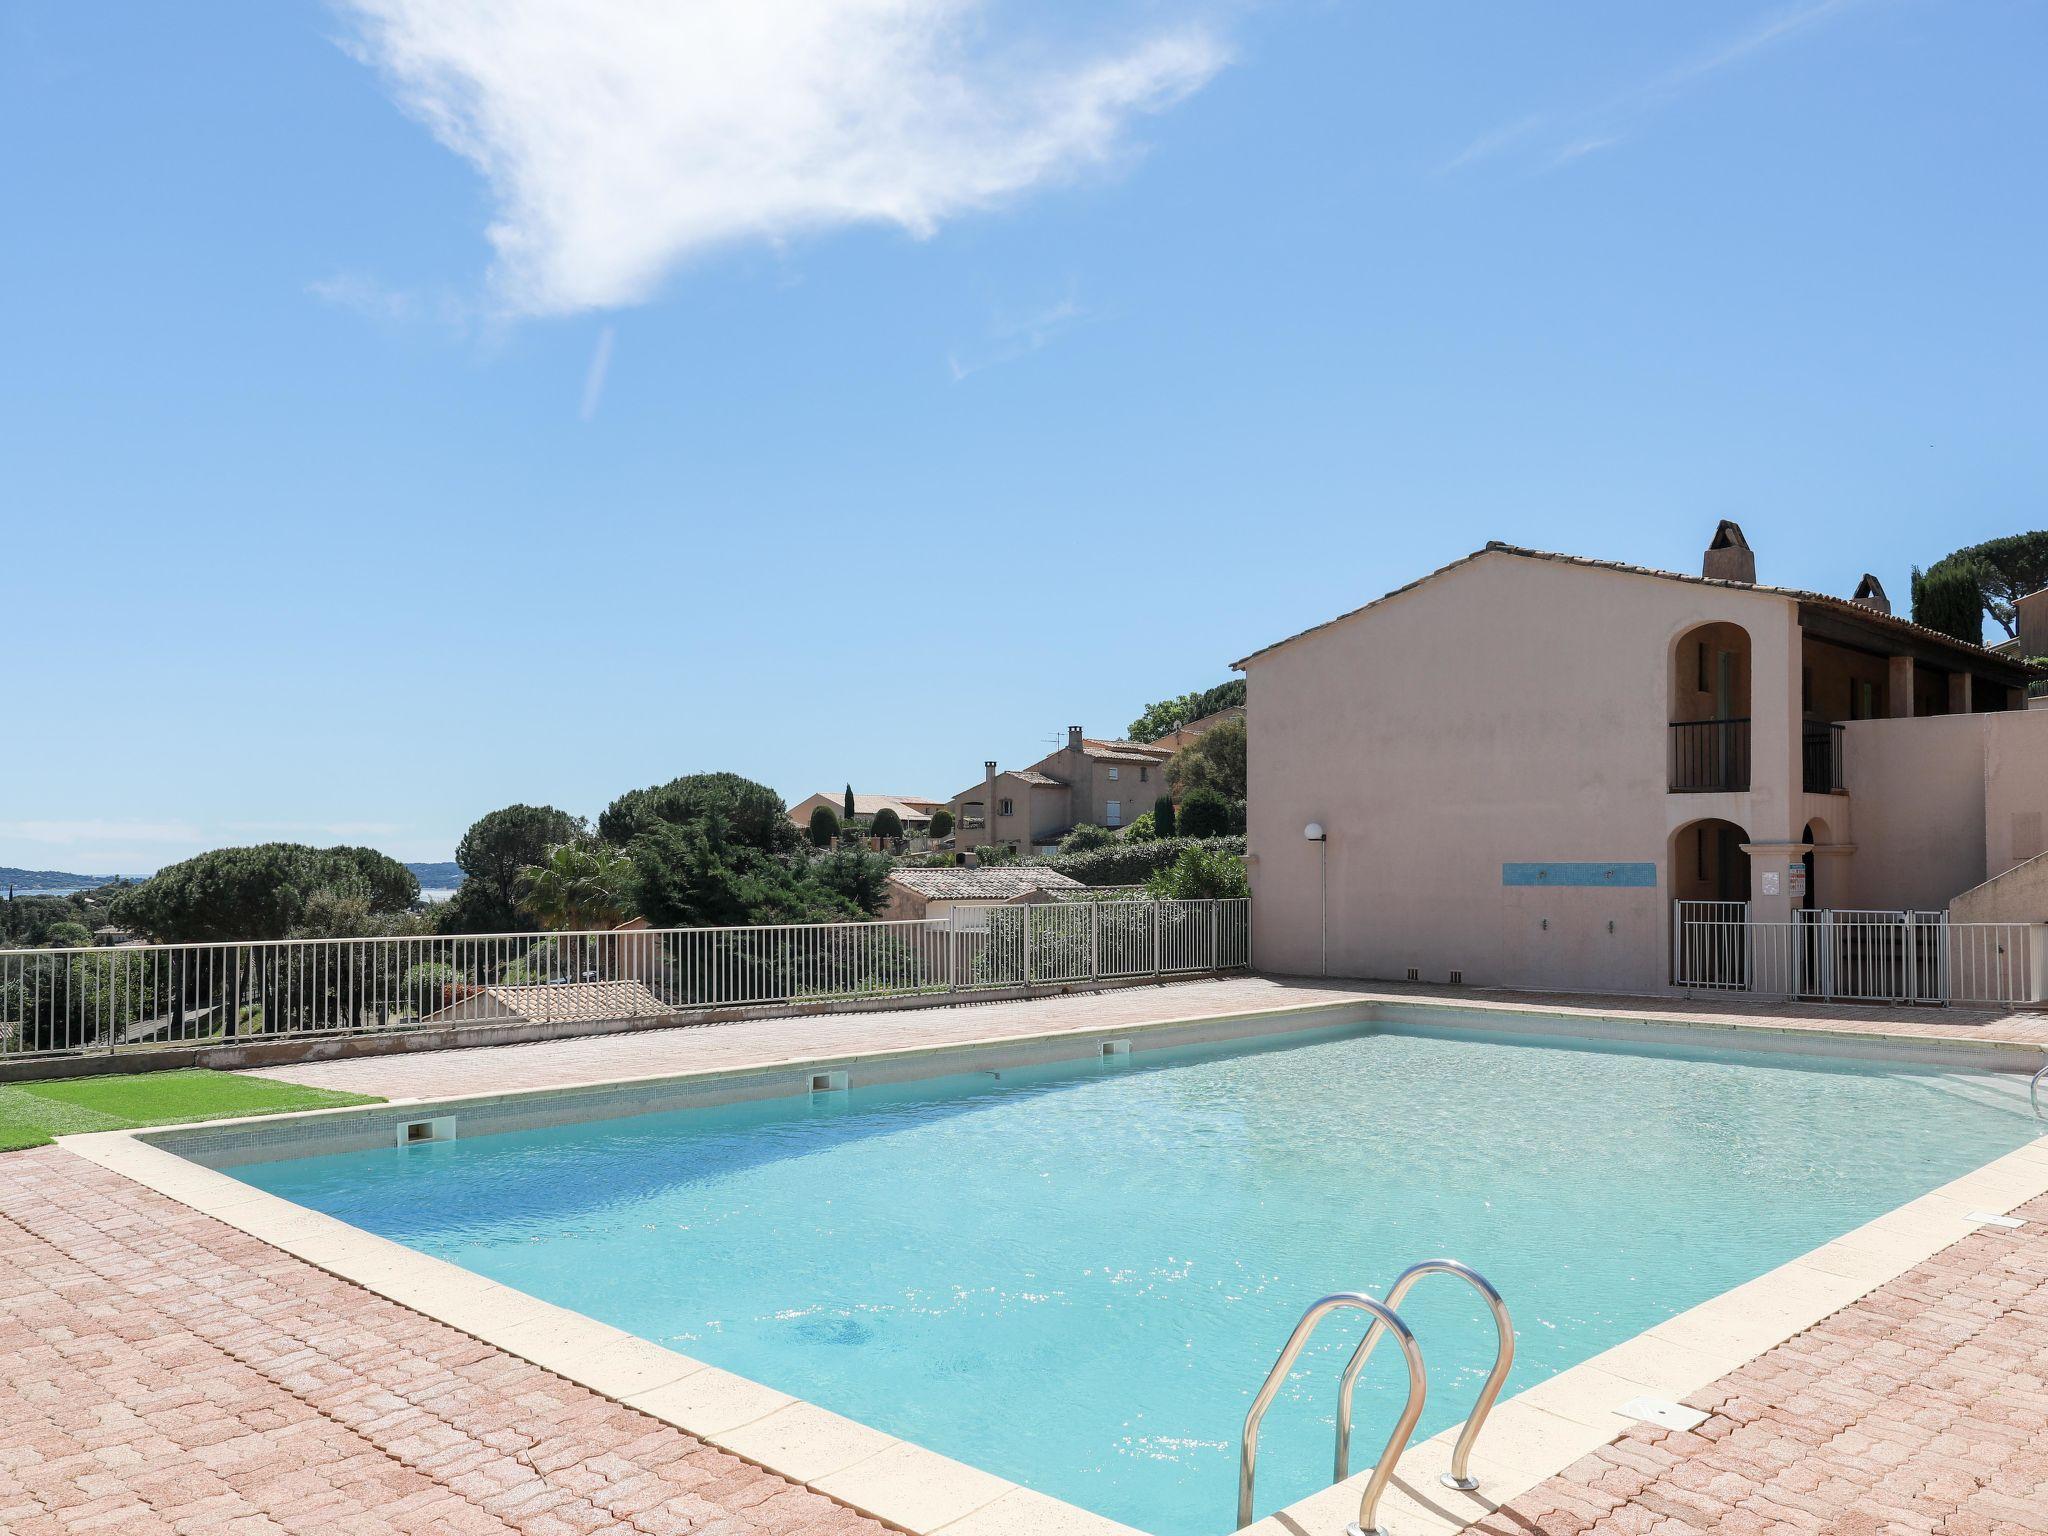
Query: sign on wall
pixel 1641 876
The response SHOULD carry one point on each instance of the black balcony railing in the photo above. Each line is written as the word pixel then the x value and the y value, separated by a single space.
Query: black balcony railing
pixel 1822 753
pixel 1709 754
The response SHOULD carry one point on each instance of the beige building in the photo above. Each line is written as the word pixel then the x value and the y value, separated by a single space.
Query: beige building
pixel 932 894
pixel 1520 762
pixel 914 811
pixel 1194 730
pixel 1086 783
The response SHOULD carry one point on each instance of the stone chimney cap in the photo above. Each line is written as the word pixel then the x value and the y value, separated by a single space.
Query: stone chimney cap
pixel 1870 593
pixel 989 763
pixel 1728 556
pixel 1073 735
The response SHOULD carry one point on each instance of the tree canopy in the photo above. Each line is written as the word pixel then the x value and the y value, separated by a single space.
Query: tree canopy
pixel 1171 714
pixel 752 814
pixel 579 886
pixel 886 824
pixel 494 851
pixel 263 892
pixel 2000 571
pixel 824 826
pixel 1214 760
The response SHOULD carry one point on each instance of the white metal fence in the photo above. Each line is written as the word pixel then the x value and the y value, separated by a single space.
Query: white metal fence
pixel 67 1002
pixel 1853 956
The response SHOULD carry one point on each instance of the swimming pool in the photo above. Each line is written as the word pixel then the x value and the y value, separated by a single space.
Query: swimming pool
pixel 1076 1275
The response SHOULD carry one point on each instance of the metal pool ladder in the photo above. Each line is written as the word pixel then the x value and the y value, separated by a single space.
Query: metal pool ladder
pixel 2034 1089
pixel 1384 1320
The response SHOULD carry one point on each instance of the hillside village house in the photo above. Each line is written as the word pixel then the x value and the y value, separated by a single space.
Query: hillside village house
pixel 1087 782
pixel 1522 761
pixel 1194 730
pixel 914 811
pixel 932 894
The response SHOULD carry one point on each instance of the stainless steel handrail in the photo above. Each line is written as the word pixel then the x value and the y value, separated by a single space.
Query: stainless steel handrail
pixel 1385 1319
pixel 2034 1089
pixel 1503 1357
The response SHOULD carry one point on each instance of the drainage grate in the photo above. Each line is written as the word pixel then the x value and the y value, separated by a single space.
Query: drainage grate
pixel 1415 973
pixel 1457 978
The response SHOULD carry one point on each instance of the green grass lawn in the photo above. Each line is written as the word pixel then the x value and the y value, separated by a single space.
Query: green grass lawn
pixel 31 1114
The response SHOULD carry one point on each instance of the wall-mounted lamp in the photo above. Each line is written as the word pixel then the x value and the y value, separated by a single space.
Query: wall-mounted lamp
pixel 1314 833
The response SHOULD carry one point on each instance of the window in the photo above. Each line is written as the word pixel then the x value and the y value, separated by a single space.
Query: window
pixel 1115 816
pixel 1112 773
pixel 1144 775
pixel 1003 808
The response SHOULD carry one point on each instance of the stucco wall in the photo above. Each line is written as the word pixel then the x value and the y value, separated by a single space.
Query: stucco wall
pixel 1943 804
pixel 2020 895
pixel 1508 710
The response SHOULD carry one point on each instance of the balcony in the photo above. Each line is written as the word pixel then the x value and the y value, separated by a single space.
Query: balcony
pixel 1709 755
pixel 1821 758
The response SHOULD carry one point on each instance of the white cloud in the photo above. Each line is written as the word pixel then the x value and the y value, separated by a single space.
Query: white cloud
pixel 623 136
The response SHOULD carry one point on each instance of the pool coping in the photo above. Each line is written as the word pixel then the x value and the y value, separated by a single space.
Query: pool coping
pixel 1529 1438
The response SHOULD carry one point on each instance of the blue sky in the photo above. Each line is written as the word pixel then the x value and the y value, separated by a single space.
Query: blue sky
pixel 407 408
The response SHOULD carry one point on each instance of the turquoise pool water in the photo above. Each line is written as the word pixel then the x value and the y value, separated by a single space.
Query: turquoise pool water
pixel 1075 1277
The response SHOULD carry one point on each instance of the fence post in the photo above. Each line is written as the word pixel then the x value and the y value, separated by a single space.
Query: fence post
pixel 1827 955
pixel 1155 940
pixel 2037 962
pixel 1213 965
pixel 1095 941
pixel 1908 979
pixel 1027 946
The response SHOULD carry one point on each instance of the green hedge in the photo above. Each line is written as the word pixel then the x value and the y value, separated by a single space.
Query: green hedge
pixel 1135 863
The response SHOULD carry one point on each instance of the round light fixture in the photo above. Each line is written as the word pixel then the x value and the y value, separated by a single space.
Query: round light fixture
pixel 1313 831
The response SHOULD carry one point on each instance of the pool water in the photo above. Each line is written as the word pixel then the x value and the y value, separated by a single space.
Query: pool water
pixel 1075 1277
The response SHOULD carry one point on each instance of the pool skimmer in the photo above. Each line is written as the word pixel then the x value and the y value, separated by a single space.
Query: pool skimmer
pixel 1662 1412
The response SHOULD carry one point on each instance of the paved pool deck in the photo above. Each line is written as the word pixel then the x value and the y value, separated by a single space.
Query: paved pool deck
pixel 161 1371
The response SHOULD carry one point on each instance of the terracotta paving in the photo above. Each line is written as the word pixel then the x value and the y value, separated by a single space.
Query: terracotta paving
pixel 651 1052
pixel 1922 1408
pixel 161 1372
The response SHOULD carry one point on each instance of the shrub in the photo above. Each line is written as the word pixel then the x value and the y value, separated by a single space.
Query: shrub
pixel 859 878
pixel 824 826
pixel 887 824
pixel 1143 830
pixel 1205 813
pixel 995 853
pixel 942 822
pixel 1200 874
pixel 1162 815
pixel 1133 863
pixel 1084 837
pixel 1950 598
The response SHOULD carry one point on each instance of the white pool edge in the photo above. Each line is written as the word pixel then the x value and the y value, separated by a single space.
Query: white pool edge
pixel 1530 1437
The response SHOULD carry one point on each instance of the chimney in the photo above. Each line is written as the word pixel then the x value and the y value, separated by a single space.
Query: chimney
pixel 1729 557
pixel 1870 593
pixel 1073 738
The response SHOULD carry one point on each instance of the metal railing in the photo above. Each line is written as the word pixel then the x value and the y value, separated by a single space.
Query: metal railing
pixel 1384 1317
pixel 1460 1476
pixel 1857 956
pixel 70 1002
pixel 1709 755
pixel 1821 757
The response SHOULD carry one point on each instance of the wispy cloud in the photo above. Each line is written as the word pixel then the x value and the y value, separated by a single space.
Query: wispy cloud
pixel 70 834
pixel 364 296
pixel 621 137
pixel 1577 134
pixel 1010 337
pixel 594 376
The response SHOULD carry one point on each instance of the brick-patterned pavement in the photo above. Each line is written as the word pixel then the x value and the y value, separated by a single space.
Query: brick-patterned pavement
pixel 1922 1409
pixel 754 1042
pixel 163 1373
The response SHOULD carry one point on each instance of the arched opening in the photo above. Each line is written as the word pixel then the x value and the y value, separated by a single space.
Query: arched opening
pixel 1816 832
pixel 1709 713
pixel 1710 904
pixel 1707 862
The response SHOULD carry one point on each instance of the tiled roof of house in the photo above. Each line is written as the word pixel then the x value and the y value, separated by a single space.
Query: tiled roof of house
pixel 1496 547
pixel 1125 751
pixel 1000 884
pixel 910 807
pixel 1030 776
pixel 569 1000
